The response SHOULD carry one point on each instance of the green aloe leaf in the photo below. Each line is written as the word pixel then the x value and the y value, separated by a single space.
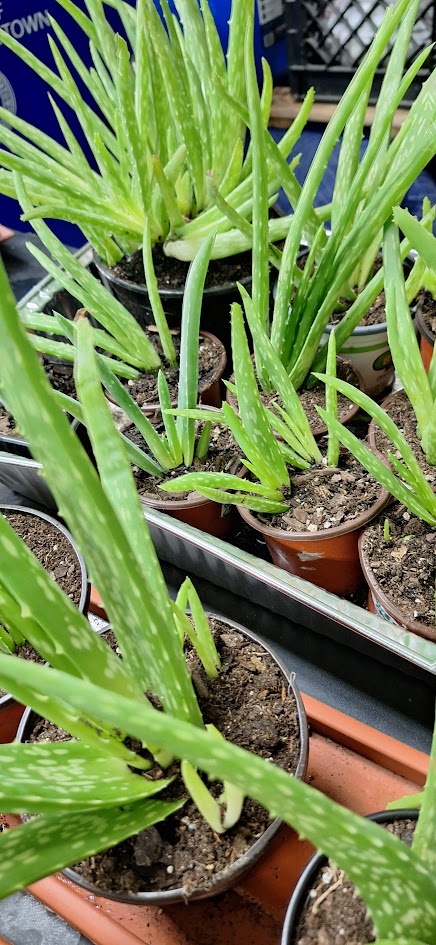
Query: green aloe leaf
pixel 417 503
pixel 401 334
pixel 280 381
pixel 219 480
pixel 45 777
pixel 188 371
pixel 251 409
pixel 48 843
pixel 416 233
pixel 141 639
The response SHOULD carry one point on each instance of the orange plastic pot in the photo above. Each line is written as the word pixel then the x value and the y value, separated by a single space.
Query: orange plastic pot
pixel 379 603
pixel 426 343
pixel 328 560
pixel 210 394
pixel 211 517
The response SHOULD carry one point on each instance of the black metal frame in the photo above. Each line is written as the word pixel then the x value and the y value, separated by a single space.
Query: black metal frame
pixel 318 57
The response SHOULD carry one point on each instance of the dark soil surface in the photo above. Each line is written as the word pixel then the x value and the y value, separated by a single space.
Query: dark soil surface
pixel 52 549
pixel 60 375
pixel 334 914
pixel 325 497
pixel 144 389
pixel 401 412
pixel 315 397
pixel 171 273
pixel 7 423
pixel 223 456
pixel 376 314
pixel 250 705
pixel 404 566
pixel 25 652
pixel 428 311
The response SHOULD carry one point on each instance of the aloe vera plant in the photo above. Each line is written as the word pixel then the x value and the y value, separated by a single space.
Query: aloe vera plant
pixel 96 696
pixel 162 140
pixel 338 272
pixel 178 444
pixel 407 481
pixel 255 426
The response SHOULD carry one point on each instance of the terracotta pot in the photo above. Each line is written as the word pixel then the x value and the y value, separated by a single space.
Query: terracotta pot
pixel 215 313
pixel 210 395
pixel 10 710
pixel 307 879
pixel 214 518
pixel 379 603
pixel 231 876
pixel 327 559
pixel 427 338
pixel 210 517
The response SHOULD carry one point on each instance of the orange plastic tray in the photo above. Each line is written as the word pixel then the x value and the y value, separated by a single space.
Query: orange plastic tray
pixel 349 761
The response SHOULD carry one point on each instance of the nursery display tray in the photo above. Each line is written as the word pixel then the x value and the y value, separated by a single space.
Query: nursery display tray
pixel 351 762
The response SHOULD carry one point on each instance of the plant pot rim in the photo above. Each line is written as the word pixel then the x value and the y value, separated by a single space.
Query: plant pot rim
pixel 299 895
pixel 153 408
pixel 229 877
pixel 329 533
pixel 393 611
pixel 208 292
pixel 82 606
pixel 364 330
pixel 424 330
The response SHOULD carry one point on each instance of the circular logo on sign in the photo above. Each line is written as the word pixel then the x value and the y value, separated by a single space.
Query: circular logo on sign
pixel 7 95
pixel 383 361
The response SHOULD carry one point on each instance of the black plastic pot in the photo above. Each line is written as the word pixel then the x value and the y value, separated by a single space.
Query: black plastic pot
pixel 230 877
pixel 307 878
pixel 10 710
pixel 215 312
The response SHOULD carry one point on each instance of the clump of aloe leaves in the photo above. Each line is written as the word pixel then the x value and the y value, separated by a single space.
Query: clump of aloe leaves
pixel 341 266
pixel 406 480
pixel 162 139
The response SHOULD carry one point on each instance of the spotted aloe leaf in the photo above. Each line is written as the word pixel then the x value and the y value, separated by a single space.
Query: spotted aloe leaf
pixel 251 409
pixel 397 885
pixel 114 569
pixel 423 501
pixel 49 619
pixel 150 632
pixel 401 334
pixel 44 777
pixel 48 843
pixel 416 499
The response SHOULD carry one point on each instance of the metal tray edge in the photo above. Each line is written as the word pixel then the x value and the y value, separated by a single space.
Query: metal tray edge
pixel 177 542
